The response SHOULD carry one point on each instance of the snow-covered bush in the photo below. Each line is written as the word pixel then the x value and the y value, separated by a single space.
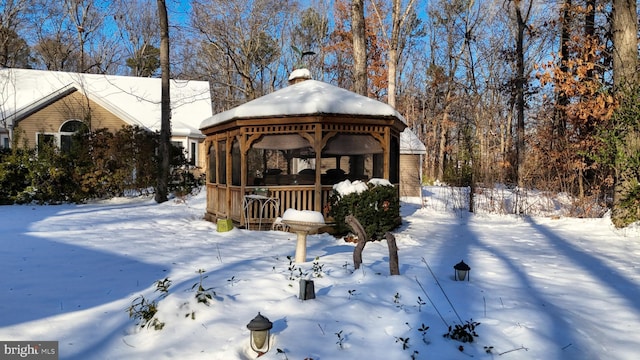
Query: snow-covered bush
pixel 375 204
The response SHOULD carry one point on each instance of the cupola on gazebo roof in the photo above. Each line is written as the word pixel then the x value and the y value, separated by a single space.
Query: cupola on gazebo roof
pixel 297 142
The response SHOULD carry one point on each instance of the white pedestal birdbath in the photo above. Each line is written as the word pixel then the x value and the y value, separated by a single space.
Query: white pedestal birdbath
pixel 302 223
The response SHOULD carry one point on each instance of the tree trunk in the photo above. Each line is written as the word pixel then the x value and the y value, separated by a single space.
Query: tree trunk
pixel 560 116
pixel 625 58
pixel 355 225
pixel 519 94
pixel 625 43
pixel 359 48
pixel 442 146
pixel 394 267
pixel 393 53
pixel 165 125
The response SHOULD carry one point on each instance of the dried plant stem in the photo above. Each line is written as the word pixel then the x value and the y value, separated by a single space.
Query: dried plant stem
pixel 512 350
pixel 441 289
pixel 432 303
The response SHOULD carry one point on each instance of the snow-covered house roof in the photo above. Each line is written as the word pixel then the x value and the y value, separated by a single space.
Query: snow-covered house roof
pixel 310 97
pixel 410 143
pixel 133 99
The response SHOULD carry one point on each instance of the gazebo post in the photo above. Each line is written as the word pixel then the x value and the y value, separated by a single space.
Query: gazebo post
pixel 387 154
pixel 243 174
pixel 317 147
pixel 228 147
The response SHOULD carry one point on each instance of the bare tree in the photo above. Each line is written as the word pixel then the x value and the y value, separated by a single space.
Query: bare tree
pixel 522 13
pixel 310 34
pixel 447 48
pixel 138 30
pixel 399 19
pixel 14 50
pixel 70 35
pixel 239 46
pixel 624 26
pixel 359 47
pixel 165 125
pixel 86 19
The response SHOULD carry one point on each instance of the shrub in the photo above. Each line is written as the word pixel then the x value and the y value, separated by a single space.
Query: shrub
pixel 14 174
pixel 51 178
pixel 377 208
pixel 97 165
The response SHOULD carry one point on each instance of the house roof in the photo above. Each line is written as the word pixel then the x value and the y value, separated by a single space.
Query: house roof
pixel 310 97
pixel 135 100
pixel 410 143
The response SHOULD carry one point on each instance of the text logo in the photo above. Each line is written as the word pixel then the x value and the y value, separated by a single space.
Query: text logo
pixel 32 350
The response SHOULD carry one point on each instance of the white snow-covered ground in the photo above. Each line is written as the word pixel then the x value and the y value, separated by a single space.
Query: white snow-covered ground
pixel 540 287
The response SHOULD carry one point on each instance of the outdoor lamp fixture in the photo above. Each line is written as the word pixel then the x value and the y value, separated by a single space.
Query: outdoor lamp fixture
pixel 260 327
pixel 461 271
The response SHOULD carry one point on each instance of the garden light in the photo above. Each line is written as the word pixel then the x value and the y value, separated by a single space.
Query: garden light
pixel 461 270
pixel 260 327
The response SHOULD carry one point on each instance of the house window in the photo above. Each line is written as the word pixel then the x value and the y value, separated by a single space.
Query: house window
pixel 4 141
pixel 67 130
pixel 178 153
pixel 63 138
pixel 45 140
pixel 178 145
pixel 193 152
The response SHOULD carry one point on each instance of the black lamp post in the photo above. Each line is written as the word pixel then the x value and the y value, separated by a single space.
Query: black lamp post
pixel 461 270
pixel 260 327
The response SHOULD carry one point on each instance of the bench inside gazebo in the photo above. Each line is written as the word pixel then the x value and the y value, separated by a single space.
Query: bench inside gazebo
pixel 287 149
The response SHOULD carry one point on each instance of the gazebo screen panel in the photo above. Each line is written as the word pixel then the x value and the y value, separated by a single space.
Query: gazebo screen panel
pixel 236 164
pixel 394 155
pixel 222 162
pixel 212 163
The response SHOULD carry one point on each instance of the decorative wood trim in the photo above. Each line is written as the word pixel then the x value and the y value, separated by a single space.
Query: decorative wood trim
pixel 326 138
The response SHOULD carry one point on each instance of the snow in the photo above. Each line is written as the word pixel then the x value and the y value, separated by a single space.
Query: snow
pixel 347 187
pixel 133 99
pixel 300 74
pixel 307 216
pixel 410 143
pixel 380 182
pixel 540 287
pixel 308 97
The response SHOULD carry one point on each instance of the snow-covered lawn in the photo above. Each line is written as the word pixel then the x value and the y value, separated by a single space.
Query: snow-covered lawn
pixel 540 288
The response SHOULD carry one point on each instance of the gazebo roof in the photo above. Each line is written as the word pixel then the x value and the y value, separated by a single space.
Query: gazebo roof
pixel 310 97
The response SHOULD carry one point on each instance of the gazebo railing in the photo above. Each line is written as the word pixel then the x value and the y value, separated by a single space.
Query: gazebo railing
pixel 299 197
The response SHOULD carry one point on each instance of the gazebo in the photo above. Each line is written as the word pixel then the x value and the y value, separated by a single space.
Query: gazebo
pixel 287 149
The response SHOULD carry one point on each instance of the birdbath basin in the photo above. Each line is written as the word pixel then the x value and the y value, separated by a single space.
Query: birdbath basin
pixel 302 229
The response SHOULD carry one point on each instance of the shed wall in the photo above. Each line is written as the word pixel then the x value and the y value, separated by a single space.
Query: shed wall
pixel 410 175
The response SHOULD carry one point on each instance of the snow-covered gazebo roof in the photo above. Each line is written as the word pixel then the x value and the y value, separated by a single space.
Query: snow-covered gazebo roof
pixel 309 97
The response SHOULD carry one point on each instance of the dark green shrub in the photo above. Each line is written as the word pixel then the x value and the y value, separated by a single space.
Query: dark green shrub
pixel 14 174
pixel 51 176
pixel 377 209
pixel 95 165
